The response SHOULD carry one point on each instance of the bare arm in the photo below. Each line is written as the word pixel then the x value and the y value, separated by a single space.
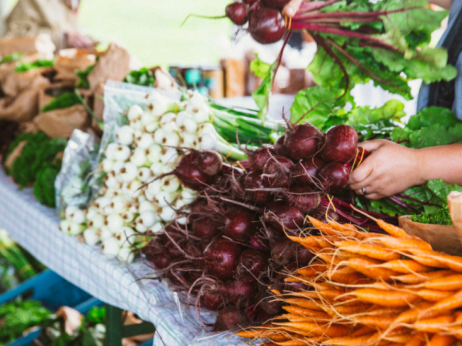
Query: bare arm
pixel 392 168
pixel 446 4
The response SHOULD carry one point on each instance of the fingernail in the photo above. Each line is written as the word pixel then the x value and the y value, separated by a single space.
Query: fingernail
pixel 290 11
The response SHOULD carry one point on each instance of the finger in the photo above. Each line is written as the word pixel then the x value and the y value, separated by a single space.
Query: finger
pixel 371 145
pixel 361 173
pixel 292 7
pixel 370 180
pixel 373 196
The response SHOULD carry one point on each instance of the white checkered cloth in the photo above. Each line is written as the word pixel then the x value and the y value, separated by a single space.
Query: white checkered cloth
pixel 35 227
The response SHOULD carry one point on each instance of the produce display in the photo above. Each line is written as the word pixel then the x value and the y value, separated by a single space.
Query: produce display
pixel 150 146
pixel 365 288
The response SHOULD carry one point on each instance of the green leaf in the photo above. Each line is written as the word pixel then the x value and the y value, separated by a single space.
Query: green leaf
pixel 143 77
pixel 441 190
pixel 66 100
pixel 438 216
pixel 82 82
pixel 431 116
pixel 26 66
pixel 262 94
pixel 259 68
pixel 313 105
pixel 392 110
pixel 11 57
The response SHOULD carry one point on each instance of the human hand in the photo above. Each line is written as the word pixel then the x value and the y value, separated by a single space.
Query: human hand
pixel 291 8
pixel 391 168
pixel 78 40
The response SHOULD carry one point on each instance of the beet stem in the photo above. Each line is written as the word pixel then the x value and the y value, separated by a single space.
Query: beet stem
pixel 201 16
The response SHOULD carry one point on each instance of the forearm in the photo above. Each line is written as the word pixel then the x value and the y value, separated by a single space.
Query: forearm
pixel 443 162
pixel 446 4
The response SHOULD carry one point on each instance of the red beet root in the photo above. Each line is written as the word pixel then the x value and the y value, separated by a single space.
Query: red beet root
pixel 334 177
pixel 161 260
pixel 279 4
pixel 283 216
pixel 341 144
pixel 249 2
pixel 230 318
pixel 303 197
pixel 239 224
pixel 238 13
pixel 212 300
pixel 252 261
pixel 302 256
pixel 276 172
pixel 258 158
pixel 209 162
pixel 281 252
pixel 304 171
pixel 189 174
pixel 266 25
pixel 221 259
pixel 253 181
pixel 206 227
pixel 302 141
pixel 241 292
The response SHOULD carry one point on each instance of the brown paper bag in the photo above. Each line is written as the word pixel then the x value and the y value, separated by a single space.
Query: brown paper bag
pixel 114 64
pixel 62 122
pixel 441 238
pixel 235 70
pixel 70 60
pixel 163 79
pixel 23 107
pixel 455 210
pixel 17 82
pixel 27 44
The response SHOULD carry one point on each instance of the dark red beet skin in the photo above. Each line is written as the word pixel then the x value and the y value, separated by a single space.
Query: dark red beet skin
pixel 266 25
pixel 238 13
pixel 189 174
pixel 276 172
pixel 241 292
pixel 334 177
pixel 303 197
pixel 341 144
pixel 302 141
pixel 259 157
pixel 221 259
pixel 206 227
pixel 210 162
pixel 279 4
pixel 212 300
pixel 239 224
pixel 302 256
pixel 249 2
pixel 282 215
pixel 281 252
pixel 252 261
pixel 161 261
pixel 304 171
pixel 252 181
pixel 230 318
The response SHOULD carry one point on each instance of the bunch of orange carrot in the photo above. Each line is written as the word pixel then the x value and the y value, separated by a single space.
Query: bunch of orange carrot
pixel 369 289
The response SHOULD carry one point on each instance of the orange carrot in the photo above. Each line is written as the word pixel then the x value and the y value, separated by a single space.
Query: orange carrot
pixel 322 227
pixel 314 269
pixel 441 340
pixel 297 278
pixel 367 249
pixel 346 230
pixel 406 266
pixel 310 240
pixel 363 331
pixel 404 244
pixel 301 342
pixel 447 283
pixel 262 334
pixel 434 295
pixel 380 322
pixel 347 279
pixel 297 310
pixel 433 325
pixel 304 303
pixel 450 303
pixel 392 230
pixel 330 330
pixel 399 339
pixel 353 340
pixel 452 262
pixel 334 294
pixel 416 313
pixel 418 339
pixel 383 311
pixel 366 267
pixel 306 294
pixel 422 277
pixel 387 298
pixel 299 318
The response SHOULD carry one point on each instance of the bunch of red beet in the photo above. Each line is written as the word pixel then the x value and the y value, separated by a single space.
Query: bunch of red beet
pixel 234 245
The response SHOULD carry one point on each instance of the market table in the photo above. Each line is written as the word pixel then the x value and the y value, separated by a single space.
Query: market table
pixel 35 227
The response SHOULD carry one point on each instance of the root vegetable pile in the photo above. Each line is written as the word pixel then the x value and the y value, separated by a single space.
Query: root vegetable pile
pixel 232 245
pixel 368 289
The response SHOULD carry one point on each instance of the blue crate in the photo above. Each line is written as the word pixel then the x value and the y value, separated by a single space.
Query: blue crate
pixel 83 308
pixel 50 289
pixel 147 343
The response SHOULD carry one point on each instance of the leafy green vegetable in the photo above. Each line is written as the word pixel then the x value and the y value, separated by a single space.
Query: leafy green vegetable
pixel 26 66
pixel 11 57
pixel 313 105
pixel 16 317
pixel 82 82
pixel 143 77
pixel 65 100
pixel 438 216
pixel 261 95
pixel 44 186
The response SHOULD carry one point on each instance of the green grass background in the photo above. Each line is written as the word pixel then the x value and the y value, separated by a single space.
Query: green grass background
pixel 150 29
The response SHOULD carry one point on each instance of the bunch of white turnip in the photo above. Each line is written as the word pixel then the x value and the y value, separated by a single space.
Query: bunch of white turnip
pixel 147 147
